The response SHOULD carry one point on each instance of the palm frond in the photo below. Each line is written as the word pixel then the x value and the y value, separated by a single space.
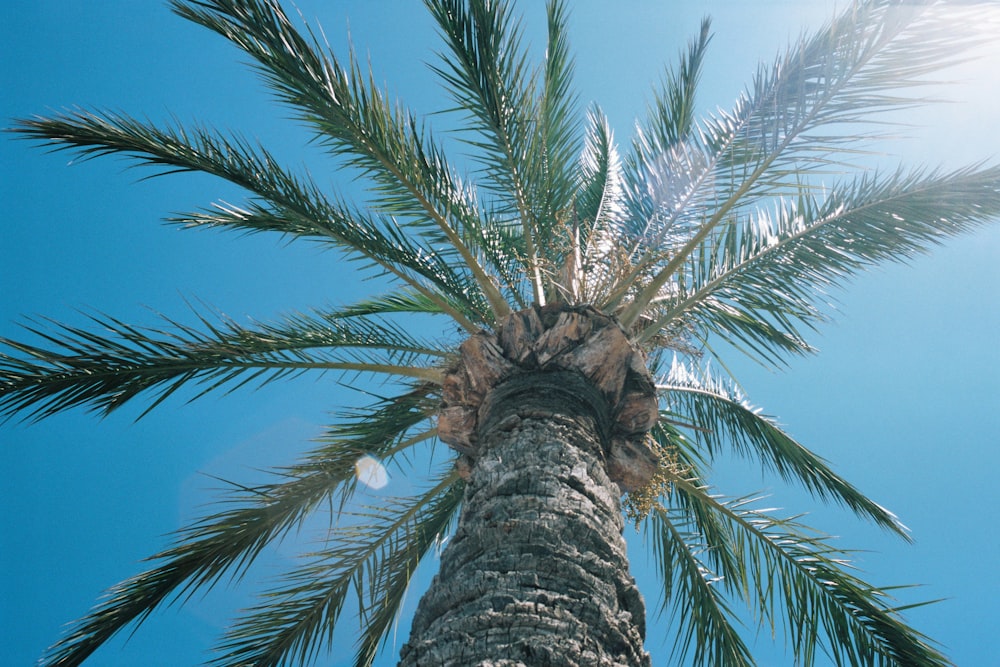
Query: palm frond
pixel 400 301
pixel 374 556
pixel 770 143
pixel 386 430
pixel 596 258
pixel 353 117
pixel 768 272
pixel 230 540
pixel 489 78
pixel 599 196
pixel 103 370
pixel 767 335
pixel 791 576
pixel 394 574
pixel 288 203
pixel 669 122
pixel 721 418
pixel 707 626
pixel 661 192
pixel 393 254
pixel 671 117
pixel 553 157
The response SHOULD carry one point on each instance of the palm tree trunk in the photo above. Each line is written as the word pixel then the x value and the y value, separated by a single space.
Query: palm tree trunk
pixel 536 573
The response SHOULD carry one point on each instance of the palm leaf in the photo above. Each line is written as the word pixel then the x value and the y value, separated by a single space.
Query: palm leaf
pixel 232 539
pixel 598 199
pixel 770 142
pixel 671 118
pixel 789 576
pixel 553 157
pixel 661 196
pixel 668 126
pixel 720 418
pixel 395 573
pixel 706 624
pixel 400 301
pixel 596 259
pixel 352 117
pixel 488 76
pixel 289 204
pixel 809 245
pixel 375 556
pixel 103 371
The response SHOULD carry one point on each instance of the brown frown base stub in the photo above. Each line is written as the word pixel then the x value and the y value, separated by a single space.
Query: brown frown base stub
pixel 548 339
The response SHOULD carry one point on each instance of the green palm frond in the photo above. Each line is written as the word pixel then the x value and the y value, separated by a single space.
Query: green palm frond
pixel 868 61
pixel 770 142
pixel 790 576
pixel 400 301
pixel 554 156
pixel 668 126
pixel 489 77
pixel 598 202
pixel 105 369
pixel 671 117
pixel 720 418
pixel 385 249
pixel 395 574
pixel 595 258
pixel 374 556
pixel 766 273
pixel 706 623
pixel 288 203
pixel 385 430
pixel 230 540
pixel 354 118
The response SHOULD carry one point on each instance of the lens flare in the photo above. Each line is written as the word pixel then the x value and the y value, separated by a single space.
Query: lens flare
pixel 371 473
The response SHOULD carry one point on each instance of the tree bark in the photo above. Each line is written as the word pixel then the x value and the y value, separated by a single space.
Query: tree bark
pixel 536 573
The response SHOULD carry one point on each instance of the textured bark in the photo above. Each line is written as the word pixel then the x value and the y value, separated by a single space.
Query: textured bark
pixel 536 573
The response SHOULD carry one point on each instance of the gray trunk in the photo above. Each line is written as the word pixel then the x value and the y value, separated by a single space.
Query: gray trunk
pixel 536 573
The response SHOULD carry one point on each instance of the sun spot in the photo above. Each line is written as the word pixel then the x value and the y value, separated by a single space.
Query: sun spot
pixel 371 473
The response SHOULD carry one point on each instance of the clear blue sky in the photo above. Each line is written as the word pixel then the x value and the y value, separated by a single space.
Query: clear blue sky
pixel 904 397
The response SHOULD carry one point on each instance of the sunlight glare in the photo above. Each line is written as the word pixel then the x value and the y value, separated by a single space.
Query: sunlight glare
pixel 371 473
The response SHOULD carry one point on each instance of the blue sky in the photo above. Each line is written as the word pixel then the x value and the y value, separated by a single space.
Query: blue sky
pixel 904 397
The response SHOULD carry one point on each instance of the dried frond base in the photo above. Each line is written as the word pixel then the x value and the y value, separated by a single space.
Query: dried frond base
pixel 557 338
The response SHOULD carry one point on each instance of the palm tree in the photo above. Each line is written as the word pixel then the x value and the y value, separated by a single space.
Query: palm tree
pixel 591 292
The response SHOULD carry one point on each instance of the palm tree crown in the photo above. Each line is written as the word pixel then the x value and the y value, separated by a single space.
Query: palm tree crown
pixel 699 235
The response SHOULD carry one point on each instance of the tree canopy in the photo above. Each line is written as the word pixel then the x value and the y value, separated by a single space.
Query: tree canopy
pixel 703 234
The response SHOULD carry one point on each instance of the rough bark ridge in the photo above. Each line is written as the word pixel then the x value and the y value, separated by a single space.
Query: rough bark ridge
pixel 552 338
pixel 550 413
pixel 536 573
